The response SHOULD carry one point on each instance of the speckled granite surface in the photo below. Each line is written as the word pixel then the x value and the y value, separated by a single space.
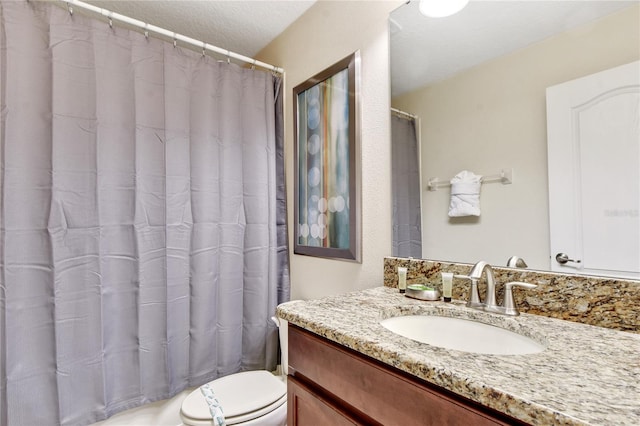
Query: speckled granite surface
pixel 587 375
pixel 605 302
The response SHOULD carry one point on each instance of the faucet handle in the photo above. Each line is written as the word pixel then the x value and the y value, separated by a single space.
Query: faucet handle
pixel 474 297
pixel 509 304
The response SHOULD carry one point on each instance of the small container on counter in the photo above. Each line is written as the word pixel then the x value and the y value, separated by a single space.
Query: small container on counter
pixel 447 281
pixel 402 279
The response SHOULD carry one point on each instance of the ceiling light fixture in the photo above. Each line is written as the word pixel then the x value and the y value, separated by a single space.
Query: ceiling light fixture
pixel 441 8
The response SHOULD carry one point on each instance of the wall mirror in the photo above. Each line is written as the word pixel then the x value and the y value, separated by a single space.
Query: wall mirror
pixel 477 83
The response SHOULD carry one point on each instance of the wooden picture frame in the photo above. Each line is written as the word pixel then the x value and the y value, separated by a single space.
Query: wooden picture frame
pixel 327 162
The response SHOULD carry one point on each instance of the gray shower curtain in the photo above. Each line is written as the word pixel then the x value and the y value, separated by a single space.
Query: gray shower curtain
pixel 142 233
pixel 405 184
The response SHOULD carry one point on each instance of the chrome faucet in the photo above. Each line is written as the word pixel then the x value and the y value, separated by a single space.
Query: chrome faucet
pixel 474 276
pixel 490 305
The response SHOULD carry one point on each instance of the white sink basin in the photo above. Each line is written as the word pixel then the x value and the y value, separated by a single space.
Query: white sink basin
pixel 462 335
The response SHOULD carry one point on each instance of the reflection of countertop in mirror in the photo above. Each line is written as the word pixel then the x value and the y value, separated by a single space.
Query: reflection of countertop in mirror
pixel 587 374
pixel 587 299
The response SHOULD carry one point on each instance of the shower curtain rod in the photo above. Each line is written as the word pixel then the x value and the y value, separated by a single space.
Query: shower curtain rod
pixel 404 114
pixel 113 16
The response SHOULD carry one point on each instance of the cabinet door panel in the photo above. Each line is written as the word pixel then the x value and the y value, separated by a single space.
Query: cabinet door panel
pixel 305 408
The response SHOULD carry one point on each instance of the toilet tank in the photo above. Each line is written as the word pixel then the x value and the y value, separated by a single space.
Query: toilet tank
pixel 284 343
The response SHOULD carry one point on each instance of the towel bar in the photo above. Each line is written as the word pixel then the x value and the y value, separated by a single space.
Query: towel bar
pixel 505 177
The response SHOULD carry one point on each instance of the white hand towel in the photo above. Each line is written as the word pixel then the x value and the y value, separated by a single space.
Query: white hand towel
pixel 465 194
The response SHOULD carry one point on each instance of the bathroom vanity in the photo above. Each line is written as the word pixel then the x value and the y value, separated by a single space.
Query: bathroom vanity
pixel 346 368
pixel 331 384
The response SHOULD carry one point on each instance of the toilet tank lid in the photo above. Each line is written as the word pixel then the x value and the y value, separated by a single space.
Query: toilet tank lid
pixel 238 394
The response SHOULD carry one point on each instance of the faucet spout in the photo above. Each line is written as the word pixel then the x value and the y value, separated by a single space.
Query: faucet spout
pixel 516 262
pixel 477 270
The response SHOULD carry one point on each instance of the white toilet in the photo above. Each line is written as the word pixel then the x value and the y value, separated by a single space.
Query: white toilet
pixel 255 398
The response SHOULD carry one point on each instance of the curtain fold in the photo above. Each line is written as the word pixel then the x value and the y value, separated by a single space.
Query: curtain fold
pixel 141 220
pixel 405 185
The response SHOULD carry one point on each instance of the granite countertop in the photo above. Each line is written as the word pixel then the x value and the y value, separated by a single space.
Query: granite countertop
pixel 587 375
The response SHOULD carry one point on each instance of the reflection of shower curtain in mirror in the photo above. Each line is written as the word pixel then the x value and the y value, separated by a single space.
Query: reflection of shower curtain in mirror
pixel 405 186
pixel 140 231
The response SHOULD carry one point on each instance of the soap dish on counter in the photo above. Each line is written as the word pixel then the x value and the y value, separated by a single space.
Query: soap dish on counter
pixel 422 292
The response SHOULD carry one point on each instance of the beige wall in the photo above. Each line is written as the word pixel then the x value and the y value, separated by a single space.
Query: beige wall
pixel 329 31
pixel 493 117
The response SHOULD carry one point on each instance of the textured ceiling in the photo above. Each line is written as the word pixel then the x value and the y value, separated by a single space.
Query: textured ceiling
pixel 242 26
pixel 425 50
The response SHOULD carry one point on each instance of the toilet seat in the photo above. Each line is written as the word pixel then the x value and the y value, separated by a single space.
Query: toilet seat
pixel 243 396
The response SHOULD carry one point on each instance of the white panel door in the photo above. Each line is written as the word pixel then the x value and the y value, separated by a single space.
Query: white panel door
pixel 593 137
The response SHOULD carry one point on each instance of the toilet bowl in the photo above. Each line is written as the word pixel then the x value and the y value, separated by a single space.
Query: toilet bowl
pixel 249 398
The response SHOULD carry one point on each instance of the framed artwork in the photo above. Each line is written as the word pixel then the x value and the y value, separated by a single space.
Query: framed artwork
pixel 326 156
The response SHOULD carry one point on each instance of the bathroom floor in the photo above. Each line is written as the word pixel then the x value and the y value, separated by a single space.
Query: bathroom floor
pixel 159 413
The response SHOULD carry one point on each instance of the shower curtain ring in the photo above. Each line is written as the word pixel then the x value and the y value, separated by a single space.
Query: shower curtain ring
pixel 253 65
pixel 228 56
pixel 146 31
pixel 110 20
pixel 175 40
pixel 70 9
pixel 204 48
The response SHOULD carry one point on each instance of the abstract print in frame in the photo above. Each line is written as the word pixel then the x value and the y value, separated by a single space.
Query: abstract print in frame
pixel 326 129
